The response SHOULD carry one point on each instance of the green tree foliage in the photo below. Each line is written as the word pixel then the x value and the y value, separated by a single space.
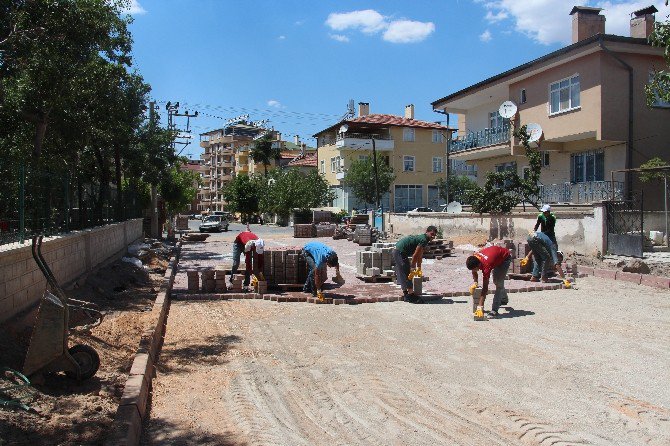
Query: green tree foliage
pixel 264 152
pixel 285 190
pixel 178 188
pixel 646 177
pixel 659 87
pixel 459 186
pixel 360 178
pixel 242 195
pixel 504 190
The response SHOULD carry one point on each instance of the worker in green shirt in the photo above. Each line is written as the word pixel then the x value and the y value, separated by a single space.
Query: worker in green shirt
pixel 410 246
pixel 546 221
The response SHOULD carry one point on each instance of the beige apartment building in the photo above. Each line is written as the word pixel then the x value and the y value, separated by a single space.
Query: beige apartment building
pixel 590 101
pixel 198 167
pixel 415 149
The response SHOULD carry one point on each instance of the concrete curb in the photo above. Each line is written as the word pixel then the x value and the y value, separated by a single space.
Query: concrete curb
pixel 126 429
pixel 613 274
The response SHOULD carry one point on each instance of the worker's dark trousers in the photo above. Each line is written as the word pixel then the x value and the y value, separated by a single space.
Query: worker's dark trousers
pixel 238 250
pixel 310 285
pixel 401 270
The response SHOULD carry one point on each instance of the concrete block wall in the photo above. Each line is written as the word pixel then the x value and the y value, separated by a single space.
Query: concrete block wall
pixel 69 256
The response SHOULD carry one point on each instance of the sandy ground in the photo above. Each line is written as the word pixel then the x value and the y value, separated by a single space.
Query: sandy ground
pixel 63 411
pixel 585 366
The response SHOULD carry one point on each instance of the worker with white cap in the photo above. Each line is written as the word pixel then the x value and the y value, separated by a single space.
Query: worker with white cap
pixel 546 221
pixel 250 244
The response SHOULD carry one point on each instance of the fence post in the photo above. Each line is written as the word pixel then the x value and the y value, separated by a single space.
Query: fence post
pixel 22 203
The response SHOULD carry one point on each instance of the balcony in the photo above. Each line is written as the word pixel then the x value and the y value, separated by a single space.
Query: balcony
pixel 581 193
pixel 364 140
pixel 492 139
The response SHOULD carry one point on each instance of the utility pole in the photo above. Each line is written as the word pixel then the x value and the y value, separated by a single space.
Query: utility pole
pixel 155 232
pixel 448 138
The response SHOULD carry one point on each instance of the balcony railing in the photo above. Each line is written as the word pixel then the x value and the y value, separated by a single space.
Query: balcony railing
pixel 587 192
pixel 481 138
pixel 364 140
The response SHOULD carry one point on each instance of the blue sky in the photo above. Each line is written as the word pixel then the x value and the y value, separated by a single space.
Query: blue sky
pixel 297 63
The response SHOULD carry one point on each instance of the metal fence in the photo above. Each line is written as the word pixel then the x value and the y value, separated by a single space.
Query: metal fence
pixel 587 192
pixel 41 201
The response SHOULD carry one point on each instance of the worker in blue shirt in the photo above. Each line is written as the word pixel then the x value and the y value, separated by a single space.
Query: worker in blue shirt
pixel 317 255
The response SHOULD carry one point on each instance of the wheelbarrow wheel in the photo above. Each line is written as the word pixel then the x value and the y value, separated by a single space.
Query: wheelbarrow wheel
pixel 88 361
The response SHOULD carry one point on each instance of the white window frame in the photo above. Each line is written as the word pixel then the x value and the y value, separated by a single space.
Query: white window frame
pixel 408 134
pixel 570 85
pixel 437 168
pixel 438 137
pixel 408 158
pixel 546 158
pixel 657 103
pixel 323 166
pixel 333 166
pixel 495 120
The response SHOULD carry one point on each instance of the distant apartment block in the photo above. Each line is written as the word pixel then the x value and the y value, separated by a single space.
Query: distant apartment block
pixel 199 168
pixel 590 101
pixel 415 149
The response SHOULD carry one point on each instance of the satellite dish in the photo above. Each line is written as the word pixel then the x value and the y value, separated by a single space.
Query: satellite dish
pixel 534 132
pixel 344 128
pixel 507 109
pixel 454 208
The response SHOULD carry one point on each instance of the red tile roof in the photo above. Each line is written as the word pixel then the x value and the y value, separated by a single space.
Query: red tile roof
pixel 309 160
pixel 383 119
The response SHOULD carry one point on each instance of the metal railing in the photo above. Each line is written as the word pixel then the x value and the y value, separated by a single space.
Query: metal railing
pixel 481 138
pixel 581 193
pixel 348 135
pixel 38 201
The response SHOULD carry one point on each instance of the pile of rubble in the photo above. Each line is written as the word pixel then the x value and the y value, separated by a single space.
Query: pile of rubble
pixel 150 254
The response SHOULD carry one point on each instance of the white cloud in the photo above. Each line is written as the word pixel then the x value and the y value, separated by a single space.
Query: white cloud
pixel 135 8
pixel 485 36
pixel 299 22
pixel 274 103
pixel 370 21
pixel 281 37
pixel 408 31
pixel 548 22
pixel 339 37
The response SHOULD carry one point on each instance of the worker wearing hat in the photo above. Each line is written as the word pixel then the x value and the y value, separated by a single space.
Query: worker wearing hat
pixel 250 244
pixel 546 221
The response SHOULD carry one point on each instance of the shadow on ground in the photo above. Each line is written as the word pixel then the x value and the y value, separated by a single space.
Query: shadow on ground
pixel 212 351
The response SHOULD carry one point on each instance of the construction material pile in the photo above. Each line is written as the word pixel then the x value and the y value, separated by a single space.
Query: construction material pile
pixel 153 254
pixel 310 230
pixel 284 267
pixel 438 249
pixel 375 262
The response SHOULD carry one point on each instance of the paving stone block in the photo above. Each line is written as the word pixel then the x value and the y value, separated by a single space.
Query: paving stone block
pixel 609 274
pixel 586 270
pixel 655 281
pixel 629 277
pixel 127 427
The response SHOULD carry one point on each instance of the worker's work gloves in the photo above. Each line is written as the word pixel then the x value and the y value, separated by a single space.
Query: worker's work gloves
pixel 473 287
pixel 415 272
pixel 524 262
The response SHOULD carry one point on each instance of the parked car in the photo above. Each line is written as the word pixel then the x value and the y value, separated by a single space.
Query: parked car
pixel 214 223
pixel 422 209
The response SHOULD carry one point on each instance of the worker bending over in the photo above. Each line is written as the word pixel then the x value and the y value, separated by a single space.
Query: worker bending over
pixel 543 250
pixel 492 259
pixel 411 246
pixel 250 244
pixel 317 255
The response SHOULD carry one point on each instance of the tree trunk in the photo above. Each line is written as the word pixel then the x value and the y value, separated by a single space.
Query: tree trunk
pixel 104 185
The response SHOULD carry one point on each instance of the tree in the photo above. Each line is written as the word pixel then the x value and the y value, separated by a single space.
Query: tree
pixel 459 186
pixel 646 177
pixel 659 87
pixel 242 195
pixel 360 178
pixel 504 190
pixel 264 151
pixel 286 190
pixel 178 189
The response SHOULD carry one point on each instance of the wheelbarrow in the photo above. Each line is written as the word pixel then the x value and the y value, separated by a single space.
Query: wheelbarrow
pixel 49 350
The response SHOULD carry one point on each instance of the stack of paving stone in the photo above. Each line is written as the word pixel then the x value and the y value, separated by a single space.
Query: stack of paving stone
pixel 220 278
pixel 304 231
pixel 284 266
pixel 193 285
pixel 375 261
pixel 438 249
pixel 208 281
pixel 325 230
pixel 236 284
pixel 363 235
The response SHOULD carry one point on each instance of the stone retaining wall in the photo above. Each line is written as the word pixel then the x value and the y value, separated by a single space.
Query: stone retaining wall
pixel 582 231
pixel 69 256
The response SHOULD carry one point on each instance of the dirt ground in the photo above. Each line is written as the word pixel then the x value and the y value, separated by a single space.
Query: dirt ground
pixel 65 412
pixel 582 366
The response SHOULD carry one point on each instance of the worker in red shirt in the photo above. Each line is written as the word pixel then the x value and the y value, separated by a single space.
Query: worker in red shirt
pixel 250 244
pixel 492 259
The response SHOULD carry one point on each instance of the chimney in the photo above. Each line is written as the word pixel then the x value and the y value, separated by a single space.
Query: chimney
pixel 586 22
pixel 409 111
pixel 363 108
pixel 642 25
pixel 296 140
